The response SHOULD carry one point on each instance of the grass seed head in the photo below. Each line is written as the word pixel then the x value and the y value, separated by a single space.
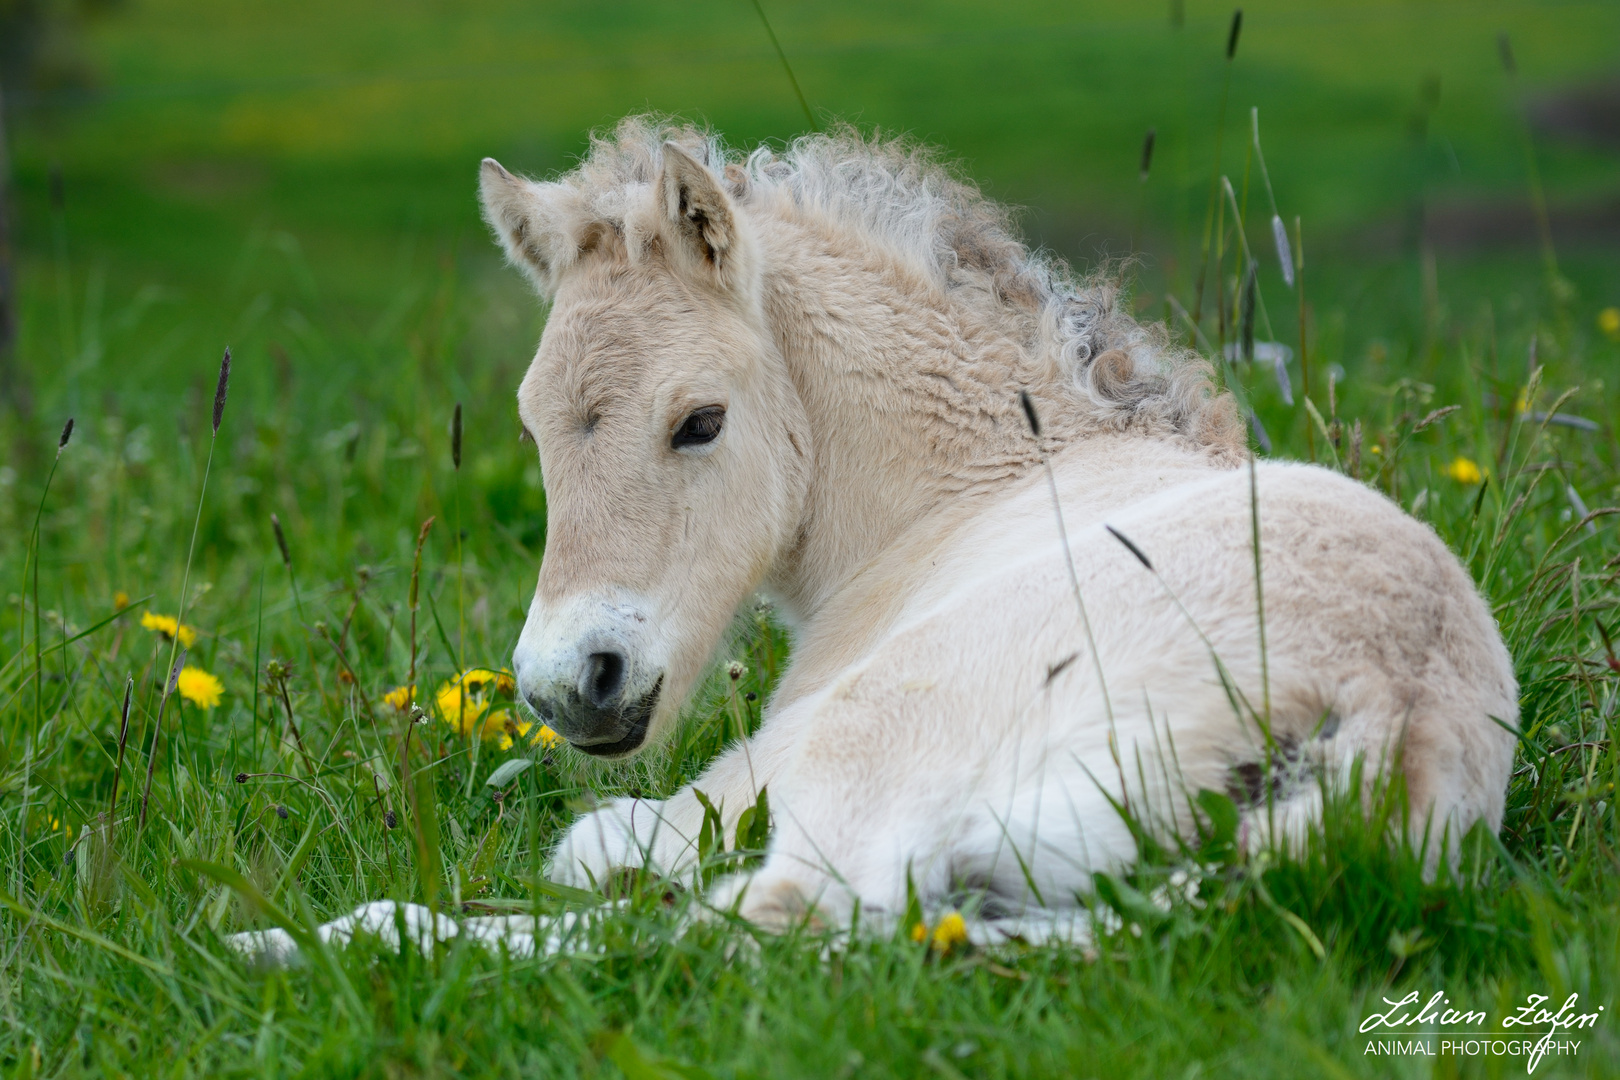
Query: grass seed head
pixel 455 437
pixel 1285 254
pixel 1246 313
pixel 1132 548
pixel 1029 413
pixel 1147 153
pixel 67 433
pixel 220 389
pixel 1232 35
pixel 174 673
pixel 281 541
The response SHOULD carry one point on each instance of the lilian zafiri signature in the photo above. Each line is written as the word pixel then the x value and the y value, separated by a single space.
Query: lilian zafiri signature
pixel 1533 1018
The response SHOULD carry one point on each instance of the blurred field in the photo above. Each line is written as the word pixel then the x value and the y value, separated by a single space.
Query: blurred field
pixel 220 131
pixel 297 180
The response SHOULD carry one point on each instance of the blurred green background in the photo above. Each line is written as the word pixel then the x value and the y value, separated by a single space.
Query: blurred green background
pixel 230 171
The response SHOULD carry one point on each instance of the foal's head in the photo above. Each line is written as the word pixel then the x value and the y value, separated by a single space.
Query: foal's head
pixel 672 442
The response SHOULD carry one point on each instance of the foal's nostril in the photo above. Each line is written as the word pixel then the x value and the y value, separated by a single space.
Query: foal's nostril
pixel 604 679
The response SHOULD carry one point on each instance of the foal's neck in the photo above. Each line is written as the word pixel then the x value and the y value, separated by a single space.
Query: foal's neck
pixel 911 394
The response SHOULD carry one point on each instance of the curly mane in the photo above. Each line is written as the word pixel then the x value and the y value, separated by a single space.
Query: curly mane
pixel 898 193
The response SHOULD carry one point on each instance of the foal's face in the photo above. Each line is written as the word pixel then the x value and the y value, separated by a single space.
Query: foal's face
pixel 672 446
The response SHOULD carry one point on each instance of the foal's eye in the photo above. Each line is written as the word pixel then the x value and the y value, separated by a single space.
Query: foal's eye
pixel 702 426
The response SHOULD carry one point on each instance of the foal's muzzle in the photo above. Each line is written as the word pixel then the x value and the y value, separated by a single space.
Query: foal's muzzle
pixel 597 713
pixel 590 667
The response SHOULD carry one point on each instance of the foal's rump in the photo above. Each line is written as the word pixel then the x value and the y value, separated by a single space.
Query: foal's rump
pixel 1027 714
pixel 1365 639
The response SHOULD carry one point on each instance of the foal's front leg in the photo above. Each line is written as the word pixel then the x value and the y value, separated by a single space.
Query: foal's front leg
pixel 660 835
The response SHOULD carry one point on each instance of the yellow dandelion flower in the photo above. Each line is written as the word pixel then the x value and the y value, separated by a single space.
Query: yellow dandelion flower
pixel 400 697
pixel 465 699
pixel 1609 322
pixel 539 735
pixel 948 933
pixel 498 727
pixel 460 706
pixel 199 687
pixel 1463 471
pixel 479 680
pixel 508 730
pixel 951 932
pixel 169 627
pixel 120 600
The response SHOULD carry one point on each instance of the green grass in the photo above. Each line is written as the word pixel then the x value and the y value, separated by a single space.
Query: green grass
pixel 298 183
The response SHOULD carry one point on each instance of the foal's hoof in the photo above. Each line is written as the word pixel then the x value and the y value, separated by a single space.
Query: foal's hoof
pixel 607 840
pixel 777 902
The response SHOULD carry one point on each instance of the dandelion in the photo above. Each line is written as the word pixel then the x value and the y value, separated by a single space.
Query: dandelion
pixel 460 707
pixel 400 698
pixel 199 687
pixel 170 628
pixel 466 704
pixel 120 600
pixel 951 932
pixel 464 700
pixel 948 933
pixel 510 731
pixel 1609 322
pixel 1464 471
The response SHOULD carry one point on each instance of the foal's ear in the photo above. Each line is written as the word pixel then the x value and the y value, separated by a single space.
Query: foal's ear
pixel 532 221
pixel 701 215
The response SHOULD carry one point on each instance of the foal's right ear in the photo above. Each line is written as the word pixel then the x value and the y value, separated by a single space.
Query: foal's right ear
pixel 704 220
pixel 532 222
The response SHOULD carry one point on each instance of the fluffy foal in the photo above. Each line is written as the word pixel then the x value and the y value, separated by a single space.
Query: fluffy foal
pixel 800 373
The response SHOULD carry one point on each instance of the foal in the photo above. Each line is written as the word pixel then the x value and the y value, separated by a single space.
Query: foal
pixel 804 374
pixel 801 374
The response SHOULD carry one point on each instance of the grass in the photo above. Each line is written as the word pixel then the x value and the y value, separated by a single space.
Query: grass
pixel 300 188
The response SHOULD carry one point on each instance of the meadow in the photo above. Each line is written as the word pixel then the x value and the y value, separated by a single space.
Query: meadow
pixel 296 182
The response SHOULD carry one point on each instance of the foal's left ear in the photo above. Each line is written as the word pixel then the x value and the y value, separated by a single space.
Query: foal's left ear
pixel 701 215
pixel 538 225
